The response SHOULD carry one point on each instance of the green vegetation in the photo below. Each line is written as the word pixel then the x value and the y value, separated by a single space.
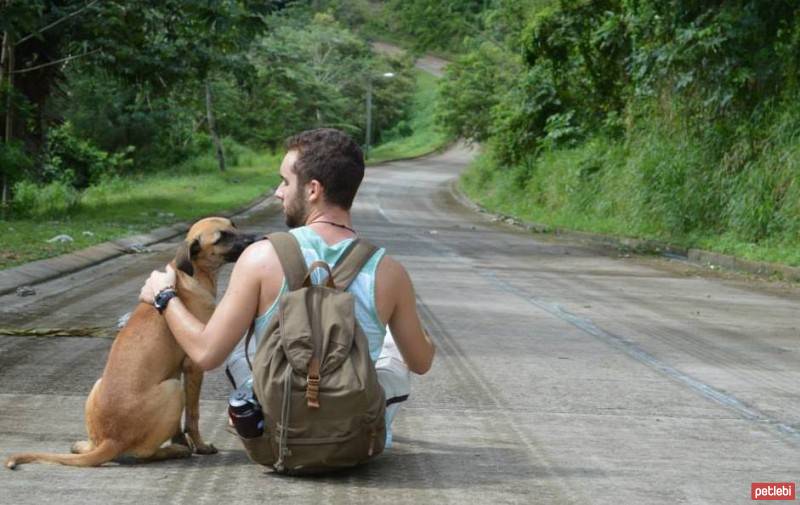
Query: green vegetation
pixel 95 89
pixel 176 115
pixel 425 25
pixel 119 206
pixel 675 120
pixel 123 205
pixel 418 134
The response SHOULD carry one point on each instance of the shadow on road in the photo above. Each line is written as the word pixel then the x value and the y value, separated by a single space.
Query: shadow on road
pixel 418 464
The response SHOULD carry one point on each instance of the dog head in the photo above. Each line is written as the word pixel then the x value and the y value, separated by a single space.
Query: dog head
pixel 209 244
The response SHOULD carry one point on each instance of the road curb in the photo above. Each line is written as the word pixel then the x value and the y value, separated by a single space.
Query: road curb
pixel 699 257
pixel 47 269
pixel 757 268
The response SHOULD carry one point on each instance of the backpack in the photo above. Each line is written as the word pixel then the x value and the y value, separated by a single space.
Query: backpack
pixel 312 373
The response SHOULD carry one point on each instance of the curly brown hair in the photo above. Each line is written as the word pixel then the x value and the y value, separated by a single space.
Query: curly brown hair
pixel 331 157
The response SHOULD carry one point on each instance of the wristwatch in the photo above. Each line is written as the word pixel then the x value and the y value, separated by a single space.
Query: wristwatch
pixel 163 297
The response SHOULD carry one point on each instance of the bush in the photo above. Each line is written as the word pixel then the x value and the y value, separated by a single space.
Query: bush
pixel 14 162
pixel 78 162
pixel 520 118
pixel 472 86
pixel 49 200
pixel 111 114
pixel 108 190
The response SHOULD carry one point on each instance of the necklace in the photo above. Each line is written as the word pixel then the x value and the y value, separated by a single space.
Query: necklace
pixel 334 224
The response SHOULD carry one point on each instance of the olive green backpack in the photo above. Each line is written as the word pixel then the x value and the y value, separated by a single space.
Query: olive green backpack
pixel 312 372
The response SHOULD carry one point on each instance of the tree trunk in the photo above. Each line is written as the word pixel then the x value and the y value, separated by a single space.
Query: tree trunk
pixel 10 79
pixel 2 81
pixel 6 69
pixel 212 127
pixel 3 57
pixel 368 133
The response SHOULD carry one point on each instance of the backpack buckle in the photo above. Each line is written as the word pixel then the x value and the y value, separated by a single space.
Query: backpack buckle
pixel 312 384
pixel 312 392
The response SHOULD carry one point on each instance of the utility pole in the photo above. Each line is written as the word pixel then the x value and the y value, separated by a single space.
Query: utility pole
pixel 212 127
pixel 368 140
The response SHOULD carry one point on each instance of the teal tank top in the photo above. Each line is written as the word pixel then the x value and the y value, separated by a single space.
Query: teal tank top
pixel 363 287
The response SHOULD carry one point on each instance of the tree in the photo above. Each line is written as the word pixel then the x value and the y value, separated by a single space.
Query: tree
pixel 152 45
pixel 312 73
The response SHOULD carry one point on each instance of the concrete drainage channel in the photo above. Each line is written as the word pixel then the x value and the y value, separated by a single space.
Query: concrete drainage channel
pixel 708 259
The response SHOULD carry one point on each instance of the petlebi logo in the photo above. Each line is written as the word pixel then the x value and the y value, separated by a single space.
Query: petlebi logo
pixel 772 491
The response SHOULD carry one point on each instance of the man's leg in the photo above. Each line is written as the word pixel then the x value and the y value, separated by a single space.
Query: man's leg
pixel 394 377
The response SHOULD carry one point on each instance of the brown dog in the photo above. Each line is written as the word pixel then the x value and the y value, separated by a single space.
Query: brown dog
pixel 136 406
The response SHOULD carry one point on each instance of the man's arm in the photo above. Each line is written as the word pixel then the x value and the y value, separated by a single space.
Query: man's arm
pixel 413 342
pixel 210 344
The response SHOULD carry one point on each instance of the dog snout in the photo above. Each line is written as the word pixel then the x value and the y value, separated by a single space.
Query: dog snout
pixel 248 238
pixel 239 245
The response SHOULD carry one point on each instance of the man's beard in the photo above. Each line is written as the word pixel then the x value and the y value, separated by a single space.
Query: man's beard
pixel 296 213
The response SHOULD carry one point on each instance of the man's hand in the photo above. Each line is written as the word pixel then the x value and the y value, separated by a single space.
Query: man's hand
pixel 157 282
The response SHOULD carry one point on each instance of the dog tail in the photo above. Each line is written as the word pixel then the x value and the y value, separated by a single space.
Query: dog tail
pixel 103 453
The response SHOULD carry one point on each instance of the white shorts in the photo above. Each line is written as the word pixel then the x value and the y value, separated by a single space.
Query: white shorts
pixel 394 377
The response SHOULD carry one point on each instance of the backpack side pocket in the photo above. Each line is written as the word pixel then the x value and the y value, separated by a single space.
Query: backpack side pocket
pixel 260 449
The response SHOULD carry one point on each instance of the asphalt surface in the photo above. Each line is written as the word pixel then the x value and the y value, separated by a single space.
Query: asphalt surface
pixel 564 375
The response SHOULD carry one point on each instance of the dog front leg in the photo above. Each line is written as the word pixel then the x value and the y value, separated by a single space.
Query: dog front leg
pixel 192 381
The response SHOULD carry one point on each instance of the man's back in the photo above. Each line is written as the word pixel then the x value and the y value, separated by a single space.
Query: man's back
pixel 394 299
pixel 315 248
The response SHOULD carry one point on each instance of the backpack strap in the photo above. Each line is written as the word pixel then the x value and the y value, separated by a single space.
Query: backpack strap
pixel 351 262
pixel 294 269
pixel 291 258
pixel 249 336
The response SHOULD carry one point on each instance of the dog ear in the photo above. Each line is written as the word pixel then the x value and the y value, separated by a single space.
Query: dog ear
pixel 185 255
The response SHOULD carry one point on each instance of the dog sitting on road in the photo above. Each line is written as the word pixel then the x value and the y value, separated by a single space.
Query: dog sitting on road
pixel 137 404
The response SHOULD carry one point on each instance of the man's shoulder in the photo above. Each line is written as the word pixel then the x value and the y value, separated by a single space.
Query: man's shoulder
pixel 390 271
pixel 259 258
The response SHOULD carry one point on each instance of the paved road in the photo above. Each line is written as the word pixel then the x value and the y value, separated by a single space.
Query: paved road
pixel 563 375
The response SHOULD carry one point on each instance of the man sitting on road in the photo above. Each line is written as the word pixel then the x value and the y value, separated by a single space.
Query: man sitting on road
pixel 320 176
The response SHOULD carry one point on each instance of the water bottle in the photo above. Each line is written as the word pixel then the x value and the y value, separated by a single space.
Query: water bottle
pixel 245 411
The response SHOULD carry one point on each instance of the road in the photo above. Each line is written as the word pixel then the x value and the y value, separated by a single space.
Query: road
pixel 564 374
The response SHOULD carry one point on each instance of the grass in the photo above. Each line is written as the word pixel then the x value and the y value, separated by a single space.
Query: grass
pixel 426 137
pixel 122 207
pixel 557 192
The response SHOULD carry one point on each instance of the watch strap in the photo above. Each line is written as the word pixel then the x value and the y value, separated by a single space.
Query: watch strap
pixel 163 297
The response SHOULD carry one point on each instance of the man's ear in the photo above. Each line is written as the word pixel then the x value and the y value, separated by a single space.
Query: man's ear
pixel 314 190
pixel 184 256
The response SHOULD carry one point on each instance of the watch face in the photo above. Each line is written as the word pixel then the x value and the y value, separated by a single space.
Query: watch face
pixel 162 298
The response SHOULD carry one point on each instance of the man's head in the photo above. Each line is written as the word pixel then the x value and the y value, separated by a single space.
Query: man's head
pixel 323 167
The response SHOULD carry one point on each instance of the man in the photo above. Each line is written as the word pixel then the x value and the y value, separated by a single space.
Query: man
pixel 320 176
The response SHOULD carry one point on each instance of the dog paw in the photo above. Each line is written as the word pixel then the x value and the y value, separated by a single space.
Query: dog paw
pixel 205 449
